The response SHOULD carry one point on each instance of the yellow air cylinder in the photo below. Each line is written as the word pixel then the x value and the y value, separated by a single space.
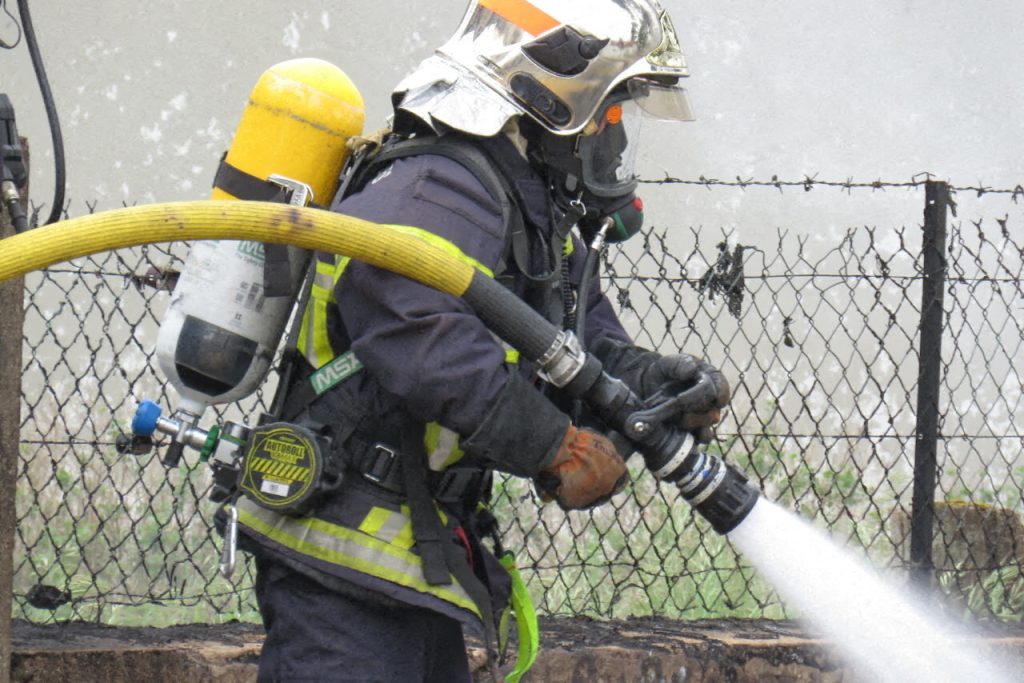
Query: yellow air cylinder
pixel 229 308
pixel 299 115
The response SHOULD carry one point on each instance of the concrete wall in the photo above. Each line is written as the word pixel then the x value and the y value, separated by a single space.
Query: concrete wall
pixel 149 93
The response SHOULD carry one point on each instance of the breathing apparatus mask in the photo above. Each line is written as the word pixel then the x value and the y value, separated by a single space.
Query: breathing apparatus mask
pixel 594 171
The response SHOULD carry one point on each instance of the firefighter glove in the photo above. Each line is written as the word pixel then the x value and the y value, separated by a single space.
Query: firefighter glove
pixel 700 389
pixel 586 471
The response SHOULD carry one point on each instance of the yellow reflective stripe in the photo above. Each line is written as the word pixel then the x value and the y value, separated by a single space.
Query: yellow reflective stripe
pixel 511 354
pixel 325 278
pixel 444 245
pixel 349 548
pixel 314 343
pixel 569 246
pixel 403 537
pixel 389 526
pixel 375 521
pixel 339 268
pixel 442 446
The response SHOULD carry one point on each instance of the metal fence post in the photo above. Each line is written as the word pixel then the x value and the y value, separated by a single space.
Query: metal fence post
pixel 12 319
pixel 934 266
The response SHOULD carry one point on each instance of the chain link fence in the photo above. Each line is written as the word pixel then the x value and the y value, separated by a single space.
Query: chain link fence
pixel 821 339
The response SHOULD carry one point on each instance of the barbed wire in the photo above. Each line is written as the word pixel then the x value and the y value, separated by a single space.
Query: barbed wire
pixel 808 183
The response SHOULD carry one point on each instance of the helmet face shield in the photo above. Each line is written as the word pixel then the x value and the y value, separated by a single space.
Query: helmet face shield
pixel 660 101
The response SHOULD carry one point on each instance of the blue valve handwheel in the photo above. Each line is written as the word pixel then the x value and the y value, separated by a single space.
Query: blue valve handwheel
pixel 144 422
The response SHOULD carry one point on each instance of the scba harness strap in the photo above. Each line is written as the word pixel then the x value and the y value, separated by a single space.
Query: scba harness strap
pixel 514 269
pixel 486 161
pixel 277 189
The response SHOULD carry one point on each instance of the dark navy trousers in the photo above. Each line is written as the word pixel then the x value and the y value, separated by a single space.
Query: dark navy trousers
pixel 314 634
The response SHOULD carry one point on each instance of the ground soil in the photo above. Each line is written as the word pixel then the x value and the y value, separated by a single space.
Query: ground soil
pixel 573 651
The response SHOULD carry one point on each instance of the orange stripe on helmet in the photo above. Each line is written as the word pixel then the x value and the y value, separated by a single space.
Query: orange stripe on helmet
pixel 523 14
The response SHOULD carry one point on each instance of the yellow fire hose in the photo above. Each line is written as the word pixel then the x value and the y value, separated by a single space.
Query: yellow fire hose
pixel 389 247
pixel 378 245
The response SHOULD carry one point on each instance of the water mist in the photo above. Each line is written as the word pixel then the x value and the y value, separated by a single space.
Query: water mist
pixel 886 634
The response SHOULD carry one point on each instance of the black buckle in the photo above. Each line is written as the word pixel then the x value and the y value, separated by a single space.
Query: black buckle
pixel 381 467
pixel 456 482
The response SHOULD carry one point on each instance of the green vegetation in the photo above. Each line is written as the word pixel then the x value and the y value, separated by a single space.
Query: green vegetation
pixel 134 545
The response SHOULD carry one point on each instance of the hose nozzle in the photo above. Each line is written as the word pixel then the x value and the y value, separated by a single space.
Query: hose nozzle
pixel 718 492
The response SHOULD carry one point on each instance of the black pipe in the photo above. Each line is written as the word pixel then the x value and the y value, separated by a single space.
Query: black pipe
pixel 51 113
pixel 13 170
pixel 510 317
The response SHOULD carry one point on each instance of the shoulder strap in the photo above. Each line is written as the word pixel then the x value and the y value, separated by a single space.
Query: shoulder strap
pixel 277 259
pixel 468 155
pixel 459 151
pixel 361 170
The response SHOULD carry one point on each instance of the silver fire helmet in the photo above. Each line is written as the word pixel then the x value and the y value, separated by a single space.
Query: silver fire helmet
pixel 553 60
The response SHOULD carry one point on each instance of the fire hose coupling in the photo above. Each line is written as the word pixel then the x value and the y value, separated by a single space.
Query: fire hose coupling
pixel 563 360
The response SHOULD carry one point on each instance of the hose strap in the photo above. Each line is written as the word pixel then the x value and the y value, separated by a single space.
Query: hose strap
pixel 527 628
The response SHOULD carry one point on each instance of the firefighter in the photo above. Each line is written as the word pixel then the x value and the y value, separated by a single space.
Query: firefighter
pixel 512 148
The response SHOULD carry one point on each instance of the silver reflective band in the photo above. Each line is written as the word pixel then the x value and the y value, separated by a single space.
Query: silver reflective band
pixel 302 194
pixel 563 360
pixel 677 459
pixel 711 488
pixel 697 475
